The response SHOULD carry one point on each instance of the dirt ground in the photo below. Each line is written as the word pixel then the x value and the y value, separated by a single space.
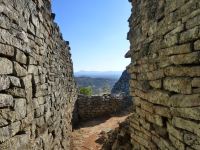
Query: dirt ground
pixel 87 135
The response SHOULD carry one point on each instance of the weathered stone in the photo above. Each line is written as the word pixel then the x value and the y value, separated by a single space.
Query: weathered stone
pixel 4 83
pixel 162 143
pixel 179 85
pixel 27 81
pixel 21 57
pixel 196 82
pixel 192 140
pixel 155 75
pixel 190 113
pixel 175 132
pixel 185 48
pixel 96 106
pixel 171 40
pixel 6 50
pixel 16 92
pixel 193 22
pixel 196 90
pixel 17 142
pixel 185 100
pixel 20 71
pixel 182 71
pixel 162 111
pixel 15 81
pixel 34 61
pixel 186 125
pixel 23 36
pixel 6 66
pixel 165 34
pixel 197 45
pixel 20 108
pixel 173 5
pixel 156 84
pixel 6 100
pixel 189 35
pixel 39 111
pixel 178 144
pixel 33 69
pixel 185 58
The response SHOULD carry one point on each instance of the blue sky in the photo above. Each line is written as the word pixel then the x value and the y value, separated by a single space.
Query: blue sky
pixel 97 31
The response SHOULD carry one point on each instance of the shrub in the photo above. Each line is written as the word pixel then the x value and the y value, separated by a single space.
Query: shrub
pixel 86 91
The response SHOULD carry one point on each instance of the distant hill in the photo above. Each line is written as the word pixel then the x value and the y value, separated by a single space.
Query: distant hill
pixel 99 74
pixel 122 85
pixel 99 85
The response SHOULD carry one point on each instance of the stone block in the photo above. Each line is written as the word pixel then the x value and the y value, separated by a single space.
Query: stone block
pixel 146 106
pixel 175 132
pixel 196 82
pixel 172 5
pixel 21 57
pixel 193 22
pixel 6 50
pixel 39 111
pixel 182 71
pixel 180 49
pixel 178 144
pixel 6 101
pixel 20 71
pixel 159 97
pixel 192 140
pixel 156 84
pixel 197 45
pixel 179 85
pixel 162 143
pixel 6 66
pixel 185 58
pixel 171 40
pixel 143 142
pixel 179 100
pixel 189 35
pixel 16 92
pixel 154 75
pixel 20 108
pixel 15 81
pixel 190 113
pixel 188 125
pixel 33 69
pixel 162 111
pixel 27 81
pixel 4 82
pixel 196 90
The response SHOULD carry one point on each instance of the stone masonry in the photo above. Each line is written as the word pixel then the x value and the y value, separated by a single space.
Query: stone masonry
pixel 165 74
pixel 90 107
pixel 37 89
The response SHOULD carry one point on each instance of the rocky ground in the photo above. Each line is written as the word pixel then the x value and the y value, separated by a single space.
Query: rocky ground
pixel 90 135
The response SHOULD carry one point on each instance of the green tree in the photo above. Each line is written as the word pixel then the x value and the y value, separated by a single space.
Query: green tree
pixel 86 91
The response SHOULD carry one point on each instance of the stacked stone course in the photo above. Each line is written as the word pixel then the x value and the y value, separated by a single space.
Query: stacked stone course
pixel 37 89
pixel 90 107
pixel 165 74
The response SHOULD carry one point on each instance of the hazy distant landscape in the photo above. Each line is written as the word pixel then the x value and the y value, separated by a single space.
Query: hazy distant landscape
pixel 100 82
pixel 99 74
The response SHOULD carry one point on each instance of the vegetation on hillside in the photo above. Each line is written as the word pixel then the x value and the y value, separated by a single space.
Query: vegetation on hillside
pixel 99 86
pixel 86 91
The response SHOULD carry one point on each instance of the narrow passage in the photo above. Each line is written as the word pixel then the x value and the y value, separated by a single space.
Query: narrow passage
pixel 88 135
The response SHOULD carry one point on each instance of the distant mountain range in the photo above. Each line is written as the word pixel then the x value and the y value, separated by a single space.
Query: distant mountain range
pixel 99 74
pixel 99 85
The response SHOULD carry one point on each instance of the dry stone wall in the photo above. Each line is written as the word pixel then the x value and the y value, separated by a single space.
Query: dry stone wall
pixel 165 74
pixel 89 107
pixel 37 89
